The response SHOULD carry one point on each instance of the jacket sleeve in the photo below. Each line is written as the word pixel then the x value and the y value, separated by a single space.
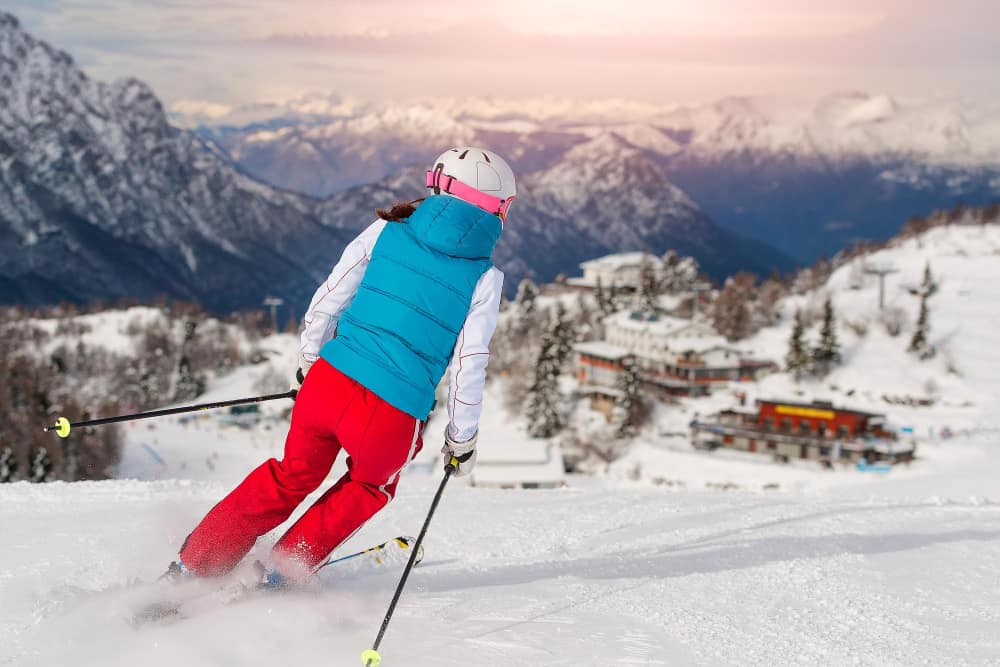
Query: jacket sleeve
pixel 334 296
pixel 467 374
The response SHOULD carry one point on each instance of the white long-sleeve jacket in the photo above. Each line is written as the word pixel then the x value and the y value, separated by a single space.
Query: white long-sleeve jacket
pixel 467 371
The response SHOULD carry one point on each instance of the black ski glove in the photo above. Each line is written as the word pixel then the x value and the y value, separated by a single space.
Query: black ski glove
pixel 300 376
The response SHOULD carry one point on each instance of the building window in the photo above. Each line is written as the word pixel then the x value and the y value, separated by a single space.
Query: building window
pixel 805 426
pixel 842 431
pixel 822 429
pixel 786 424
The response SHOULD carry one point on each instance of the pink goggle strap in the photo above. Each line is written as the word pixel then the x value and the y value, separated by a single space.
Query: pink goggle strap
pixel 453 186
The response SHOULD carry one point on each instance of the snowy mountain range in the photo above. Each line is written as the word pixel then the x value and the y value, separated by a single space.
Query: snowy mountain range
pixel 100 197
pixel 809 178
pixel 625 203
pixel 95 174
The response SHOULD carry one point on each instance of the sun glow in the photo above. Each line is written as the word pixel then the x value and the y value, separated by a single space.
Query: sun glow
pixel 689 18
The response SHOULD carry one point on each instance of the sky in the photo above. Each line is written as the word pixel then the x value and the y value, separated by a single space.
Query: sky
pixel 237 52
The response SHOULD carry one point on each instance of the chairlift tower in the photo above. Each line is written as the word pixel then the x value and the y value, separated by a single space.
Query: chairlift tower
pixel 273 303
pixel 881 272
pixel 699 288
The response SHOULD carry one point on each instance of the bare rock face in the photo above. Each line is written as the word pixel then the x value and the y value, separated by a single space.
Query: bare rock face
pixel 100 197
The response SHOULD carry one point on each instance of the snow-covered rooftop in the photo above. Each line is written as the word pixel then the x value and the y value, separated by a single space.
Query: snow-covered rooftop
pixel 579 281
pixel 700 344
pixel 659 325
pixel 618 260
pixel 602 349
pixel 531 462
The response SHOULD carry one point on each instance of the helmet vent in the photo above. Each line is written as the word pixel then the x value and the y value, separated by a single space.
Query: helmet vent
pixel 486 157
pixel 464 153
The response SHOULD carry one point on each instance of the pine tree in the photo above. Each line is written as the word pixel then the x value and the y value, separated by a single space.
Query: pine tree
pixel 8 465
pixel 928 287
pixel 605 298
pixel 669 261
pixel 617 297
pixel 41 466
pixel 149 384
pixel 542 408
pixel 919 344
pixel 679 273
pixel 827 353
pixel 629 403
pixel 527 292
pixel 649 289
pixel 563 335
pixel 797 359
pixel 188 385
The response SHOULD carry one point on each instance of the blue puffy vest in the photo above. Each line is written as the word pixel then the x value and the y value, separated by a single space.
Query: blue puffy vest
pixel 398 335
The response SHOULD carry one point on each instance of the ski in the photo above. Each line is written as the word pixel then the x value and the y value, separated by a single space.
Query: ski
pixel 243 583
pixel 379 552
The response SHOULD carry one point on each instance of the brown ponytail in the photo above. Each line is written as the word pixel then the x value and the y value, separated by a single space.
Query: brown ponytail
pixel 399 211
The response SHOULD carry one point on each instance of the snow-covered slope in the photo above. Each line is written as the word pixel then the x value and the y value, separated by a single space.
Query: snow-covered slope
pixel 896 571
pixel 963 377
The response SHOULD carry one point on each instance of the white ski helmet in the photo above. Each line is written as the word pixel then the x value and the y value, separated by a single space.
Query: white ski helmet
pixel 476 175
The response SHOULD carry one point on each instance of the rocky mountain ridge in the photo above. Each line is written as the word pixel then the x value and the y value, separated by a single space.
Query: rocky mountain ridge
pixel 807 177
pixel 101 198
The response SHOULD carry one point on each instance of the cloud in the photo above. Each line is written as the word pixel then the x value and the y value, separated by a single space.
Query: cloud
pixel 237 51
pixel 895 41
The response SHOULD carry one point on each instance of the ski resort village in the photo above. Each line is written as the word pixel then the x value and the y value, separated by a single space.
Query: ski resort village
pixel 323 343
pixel 842 484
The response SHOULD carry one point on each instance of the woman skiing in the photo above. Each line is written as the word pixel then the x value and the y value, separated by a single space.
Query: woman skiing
pixel 413 296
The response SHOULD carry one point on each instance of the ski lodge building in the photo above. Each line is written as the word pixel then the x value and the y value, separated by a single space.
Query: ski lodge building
pixel 527 464
pixel 815 431
pixel 675 357
pixel 620 270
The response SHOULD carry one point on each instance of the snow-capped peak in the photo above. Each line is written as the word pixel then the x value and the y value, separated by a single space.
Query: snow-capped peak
pixel 870 126
pixel 611 174
pixel 872 110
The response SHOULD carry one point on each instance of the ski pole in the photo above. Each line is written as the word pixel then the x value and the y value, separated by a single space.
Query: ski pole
pixel 371 657
pixel 63 426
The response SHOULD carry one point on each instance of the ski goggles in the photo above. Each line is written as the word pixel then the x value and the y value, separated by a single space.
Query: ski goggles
pixel 452 186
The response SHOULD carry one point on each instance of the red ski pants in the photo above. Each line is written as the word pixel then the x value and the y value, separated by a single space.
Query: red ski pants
pixel 331 412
